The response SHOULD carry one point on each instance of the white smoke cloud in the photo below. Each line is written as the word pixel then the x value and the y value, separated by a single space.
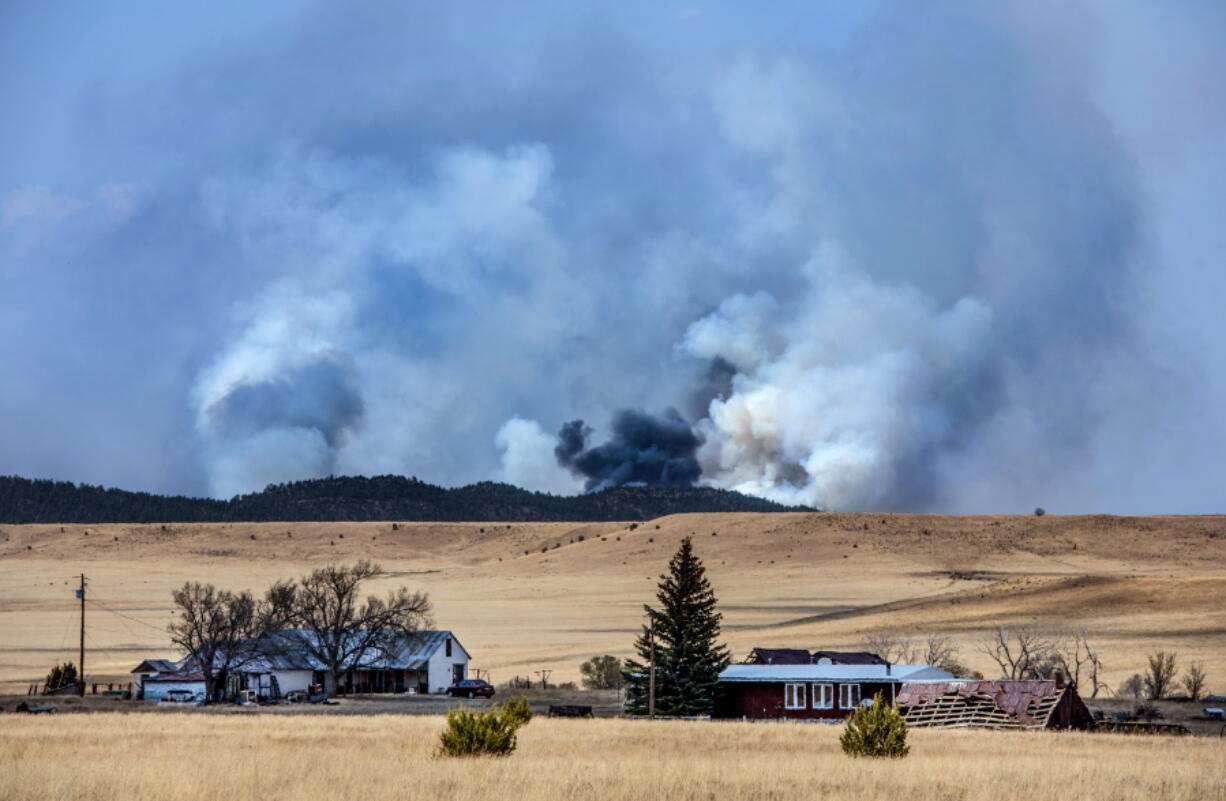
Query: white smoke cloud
pixel 317 379
pixel 528 459
pixel 860 385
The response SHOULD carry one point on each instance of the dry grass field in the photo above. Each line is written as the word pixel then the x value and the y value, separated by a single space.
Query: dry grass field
pixel 523 597
pixel 109 757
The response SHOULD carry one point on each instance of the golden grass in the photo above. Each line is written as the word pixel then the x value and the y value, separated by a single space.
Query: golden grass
pixel 800 580
pixel 193 757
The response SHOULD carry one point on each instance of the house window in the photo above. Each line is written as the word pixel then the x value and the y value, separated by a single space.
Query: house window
pixel 823 696
pixel 793 696
pixel 448 646
pixel 849 696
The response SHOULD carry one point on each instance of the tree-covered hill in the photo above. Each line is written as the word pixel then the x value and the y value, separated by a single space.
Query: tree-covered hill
pixel 25 500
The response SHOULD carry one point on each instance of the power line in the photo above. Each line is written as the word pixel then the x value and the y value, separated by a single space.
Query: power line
pixel 104 608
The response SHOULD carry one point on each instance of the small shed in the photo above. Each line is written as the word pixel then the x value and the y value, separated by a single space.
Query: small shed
pixel 148 669
pixel 156 687
pixel 999 704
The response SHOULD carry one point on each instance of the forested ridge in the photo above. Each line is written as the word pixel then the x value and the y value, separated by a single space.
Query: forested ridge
pixel 24 500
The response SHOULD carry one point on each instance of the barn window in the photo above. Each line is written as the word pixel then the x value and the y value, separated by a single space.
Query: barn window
pixel 793 696
pixel 823 696
pixel 448 646
pixel 849 695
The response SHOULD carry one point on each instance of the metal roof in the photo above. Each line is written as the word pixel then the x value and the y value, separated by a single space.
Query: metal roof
pixel 156 666
pixel 849 657
pixel 187 678
pixel 284 651
pixel 779 656
pixel 834 673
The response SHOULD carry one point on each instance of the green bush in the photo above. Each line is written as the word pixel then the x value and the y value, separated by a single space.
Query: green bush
pixel 488 733
pixel 517 710
pixel 875 731
pixel 61 676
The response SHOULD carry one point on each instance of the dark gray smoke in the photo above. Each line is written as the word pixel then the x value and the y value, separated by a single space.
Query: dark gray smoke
pixel 322 396
pixel 642 450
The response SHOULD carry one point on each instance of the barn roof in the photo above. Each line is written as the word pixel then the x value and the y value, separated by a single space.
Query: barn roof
pixel 970 703
pixel 778 656
pixel 156 666
pixel 835 673
pixel 849 657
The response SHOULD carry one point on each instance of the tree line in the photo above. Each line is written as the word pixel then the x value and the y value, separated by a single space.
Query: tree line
pixel 360 499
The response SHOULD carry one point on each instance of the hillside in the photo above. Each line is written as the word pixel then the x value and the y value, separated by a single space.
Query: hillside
pixel 25 500
pixel 547 595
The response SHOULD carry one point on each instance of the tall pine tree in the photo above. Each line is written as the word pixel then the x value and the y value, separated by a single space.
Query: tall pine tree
pixel 688 658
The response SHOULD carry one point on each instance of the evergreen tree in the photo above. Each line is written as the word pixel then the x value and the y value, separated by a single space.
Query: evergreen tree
pixel 685 627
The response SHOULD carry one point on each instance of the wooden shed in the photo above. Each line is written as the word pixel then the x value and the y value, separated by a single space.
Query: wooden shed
pixel 1000 704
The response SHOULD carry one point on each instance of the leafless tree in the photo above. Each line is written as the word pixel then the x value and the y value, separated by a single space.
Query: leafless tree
pixel 1133 687
pixel 1194 680
pixel 324 616
pixel 1082 664
pixel 939 651
pixel 1024 652
pixel 1159 675
pixel 219 631
pixel 890 646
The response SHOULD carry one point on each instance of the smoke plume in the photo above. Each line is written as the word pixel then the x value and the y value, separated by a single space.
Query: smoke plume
pixel 923 255
pixel 643 450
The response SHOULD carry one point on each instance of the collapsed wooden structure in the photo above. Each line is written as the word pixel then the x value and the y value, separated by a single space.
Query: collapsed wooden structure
pixel 1000 704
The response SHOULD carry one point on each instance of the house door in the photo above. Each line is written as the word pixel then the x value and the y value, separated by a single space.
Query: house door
pixel 457 673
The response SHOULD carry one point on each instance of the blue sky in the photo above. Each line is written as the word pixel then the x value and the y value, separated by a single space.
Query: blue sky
pixel 942 255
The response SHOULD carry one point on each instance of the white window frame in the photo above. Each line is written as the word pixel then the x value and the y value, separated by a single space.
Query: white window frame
pixel 823 696
pixel 793 695
pixel 845 693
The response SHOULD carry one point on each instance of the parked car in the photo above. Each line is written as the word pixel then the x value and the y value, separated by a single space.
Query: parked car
pixel 179 698
pixel 471 688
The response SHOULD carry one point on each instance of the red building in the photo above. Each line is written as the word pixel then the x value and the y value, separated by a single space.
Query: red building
pixel 811 692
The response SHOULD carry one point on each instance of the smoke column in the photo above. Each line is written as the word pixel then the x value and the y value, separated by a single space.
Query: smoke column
pixel 925 255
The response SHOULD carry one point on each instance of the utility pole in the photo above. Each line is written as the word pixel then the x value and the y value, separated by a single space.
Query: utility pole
pixel 651 676
pixel 81 654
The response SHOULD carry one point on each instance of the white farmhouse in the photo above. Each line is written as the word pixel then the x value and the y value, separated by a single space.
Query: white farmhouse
pixel 420 662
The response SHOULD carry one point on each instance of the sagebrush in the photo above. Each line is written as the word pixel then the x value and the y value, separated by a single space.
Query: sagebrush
pixel 875 730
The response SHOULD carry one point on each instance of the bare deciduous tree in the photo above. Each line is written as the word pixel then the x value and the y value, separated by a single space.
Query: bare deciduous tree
pixel 219 631
pixel 1159 675
pixel 1194 680
pixel 1024 652
pixel 325 617
pixel 1132 687
pixel 1081 663
pixel 890 646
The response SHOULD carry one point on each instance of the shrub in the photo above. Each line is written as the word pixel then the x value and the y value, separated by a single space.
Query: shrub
pixel 61 676
pixel 1039 511
pixel 876 730
pixel 487 733
pixel 517 710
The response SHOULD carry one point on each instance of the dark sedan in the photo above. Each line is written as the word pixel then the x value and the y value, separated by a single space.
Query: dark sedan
pixel 471 688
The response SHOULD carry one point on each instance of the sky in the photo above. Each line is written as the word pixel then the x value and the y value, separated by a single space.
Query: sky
pixel 897 256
